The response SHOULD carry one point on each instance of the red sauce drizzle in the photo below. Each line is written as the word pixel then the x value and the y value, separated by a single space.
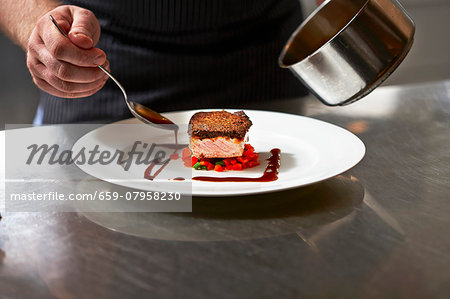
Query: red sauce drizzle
pixel 156 118
pixel 179 179
pixel 174 156
pixel 270 173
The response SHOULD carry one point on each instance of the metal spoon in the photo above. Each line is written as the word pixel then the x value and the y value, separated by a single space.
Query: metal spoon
pixel 141 112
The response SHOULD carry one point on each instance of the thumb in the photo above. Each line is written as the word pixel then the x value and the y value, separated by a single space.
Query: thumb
pixel 85 29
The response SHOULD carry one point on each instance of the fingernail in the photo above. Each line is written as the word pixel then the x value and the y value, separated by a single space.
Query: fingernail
pixel 99 60
pixel 76 34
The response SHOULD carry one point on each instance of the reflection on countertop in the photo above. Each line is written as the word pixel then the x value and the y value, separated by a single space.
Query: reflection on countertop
pixel 244 217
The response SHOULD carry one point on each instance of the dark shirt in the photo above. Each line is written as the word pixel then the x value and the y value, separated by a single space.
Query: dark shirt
pixel 186 54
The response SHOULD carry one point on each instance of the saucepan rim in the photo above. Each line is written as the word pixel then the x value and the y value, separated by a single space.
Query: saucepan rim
pixel 305 22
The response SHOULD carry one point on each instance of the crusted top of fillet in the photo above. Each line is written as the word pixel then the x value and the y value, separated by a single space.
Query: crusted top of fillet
pixel 219 124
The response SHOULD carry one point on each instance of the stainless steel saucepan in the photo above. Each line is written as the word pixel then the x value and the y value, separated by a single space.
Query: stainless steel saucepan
pixel 346 48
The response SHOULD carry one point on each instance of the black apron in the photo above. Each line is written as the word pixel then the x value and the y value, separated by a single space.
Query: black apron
pixel 186 54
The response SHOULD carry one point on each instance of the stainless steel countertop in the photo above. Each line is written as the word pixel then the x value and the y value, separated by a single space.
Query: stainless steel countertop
pixel 380 230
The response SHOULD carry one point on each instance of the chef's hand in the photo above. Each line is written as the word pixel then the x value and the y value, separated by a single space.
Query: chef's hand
pixel 67 67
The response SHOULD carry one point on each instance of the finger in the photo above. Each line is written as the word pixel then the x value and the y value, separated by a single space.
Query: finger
pixel 63 49
pixel 60 46
pixel 62 16
pixel 39 70
pixel 70 73
pixel 80 24
pixel 67 71
pixel 45 86
pixel 63 70
pixel 107 66
pixel 85 29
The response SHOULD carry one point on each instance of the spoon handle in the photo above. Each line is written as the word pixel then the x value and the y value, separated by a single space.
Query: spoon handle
pixel 115 81
pixel 57 26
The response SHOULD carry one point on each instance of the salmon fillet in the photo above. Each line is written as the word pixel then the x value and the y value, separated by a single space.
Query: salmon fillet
pixel 218 134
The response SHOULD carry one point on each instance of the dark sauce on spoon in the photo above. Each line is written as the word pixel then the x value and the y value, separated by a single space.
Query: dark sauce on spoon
pixel 151 115
pixel 270 173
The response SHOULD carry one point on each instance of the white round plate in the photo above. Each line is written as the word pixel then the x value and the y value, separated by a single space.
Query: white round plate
pixel 311 151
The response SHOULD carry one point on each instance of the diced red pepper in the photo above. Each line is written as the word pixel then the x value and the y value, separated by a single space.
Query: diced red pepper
pixel 242 160
pixel 218 168
pixel 237 166
pixel 248 159
pixel 252 164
